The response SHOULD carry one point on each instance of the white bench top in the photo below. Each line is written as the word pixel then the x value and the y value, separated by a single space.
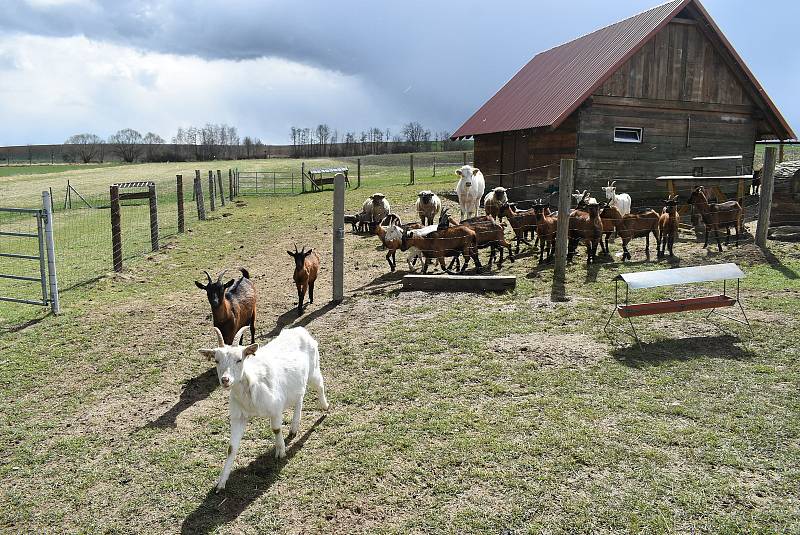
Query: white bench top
pixel 687 275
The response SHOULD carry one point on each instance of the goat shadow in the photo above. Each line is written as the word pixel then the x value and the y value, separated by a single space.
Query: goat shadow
pixel 244 486
pixel 194 390
pixel 723 346
pixel 290 319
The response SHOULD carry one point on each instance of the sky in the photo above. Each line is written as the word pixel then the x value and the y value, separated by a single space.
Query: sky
pixel 75 66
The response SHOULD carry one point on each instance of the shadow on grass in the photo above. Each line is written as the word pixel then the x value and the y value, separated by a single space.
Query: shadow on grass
pixel 290 319
pixel 196 389
pixel 723 346
pixel 25 324
pixel 776 263
pixel 244 486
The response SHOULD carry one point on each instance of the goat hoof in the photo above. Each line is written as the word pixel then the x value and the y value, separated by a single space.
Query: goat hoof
pixel 280 454
pixel 291 435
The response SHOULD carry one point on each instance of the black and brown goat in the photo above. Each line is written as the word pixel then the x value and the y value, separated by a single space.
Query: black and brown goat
pixel 522 222
pixel 546 227
pixel 390 231
pixel 587 227
pixel 668 226
pixel 233 304
pixel 718 215
pixel 306 268
pixel 445 242
pixel 490 233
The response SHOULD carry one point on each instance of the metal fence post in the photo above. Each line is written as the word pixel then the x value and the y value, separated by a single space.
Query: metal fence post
pixel 221 189
pixel 47 205
pixel 230 184
pixel 211 191
pixel 179 188
pixel 434 166
pixel 116 229
pixel 411 168
pixel 198 198
pixel 338 238
pixel 765 197
pixel 359 173
pixel 565 185
pixel 151 194
pixel 40 216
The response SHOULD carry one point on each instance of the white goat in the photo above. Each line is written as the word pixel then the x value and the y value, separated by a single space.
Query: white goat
pixel 469 189
pixel 428 206
pixel 377 207
pixel 583 198
pixel 266 381
pixel 621 201
pixel 493 201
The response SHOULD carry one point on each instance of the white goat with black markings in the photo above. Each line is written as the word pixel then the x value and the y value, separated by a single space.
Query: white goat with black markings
pixel 265 381
pixel 428 206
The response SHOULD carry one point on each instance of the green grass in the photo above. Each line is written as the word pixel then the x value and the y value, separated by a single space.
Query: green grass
pixel 450 413
pixel 48 169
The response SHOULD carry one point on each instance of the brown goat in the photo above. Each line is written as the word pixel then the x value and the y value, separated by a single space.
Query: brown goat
pixel 631 226
pixel 445 242
pixel 546 227
pixel 306 268
pixel 390 231
pixel 715 215
pixel 490 233
pixel 586 226
pixel 522 222
pixel 668 226
pixel 233 304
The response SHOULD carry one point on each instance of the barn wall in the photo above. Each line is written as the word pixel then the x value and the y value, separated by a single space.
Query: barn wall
pixel 672 136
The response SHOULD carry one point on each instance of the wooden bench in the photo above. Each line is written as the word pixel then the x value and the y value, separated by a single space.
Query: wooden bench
pixel 672 277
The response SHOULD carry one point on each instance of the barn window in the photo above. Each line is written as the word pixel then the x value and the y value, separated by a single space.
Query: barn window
pixel 627 135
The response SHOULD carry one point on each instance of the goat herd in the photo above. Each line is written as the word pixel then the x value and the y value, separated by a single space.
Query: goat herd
pixel 265 381
pixel 590 223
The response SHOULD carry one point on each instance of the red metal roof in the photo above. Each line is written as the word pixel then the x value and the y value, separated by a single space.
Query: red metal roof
pixel 554 83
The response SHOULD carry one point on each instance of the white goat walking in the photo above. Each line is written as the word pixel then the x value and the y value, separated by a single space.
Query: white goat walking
pixel 266 381
pixel 621 201
pixel 469 189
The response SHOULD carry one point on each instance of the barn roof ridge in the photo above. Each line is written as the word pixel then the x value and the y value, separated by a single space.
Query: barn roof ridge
pixel 555 82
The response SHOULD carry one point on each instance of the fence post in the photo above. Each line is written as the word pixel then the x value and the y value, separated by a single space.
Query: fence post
pixel 211 191
pixel 196 177
pixel 230 185
pixel 303 174
pixel 565 185
pixel 780 152
pixel 198 198
pixel 179 188
pixel 765 198
pixel 151 194
pixel 434 166
pixel 221 189
pixel 116 229
pixel 338 238
pixel 465 158
pixel 359 173
pixel 411 167
pixel 47 205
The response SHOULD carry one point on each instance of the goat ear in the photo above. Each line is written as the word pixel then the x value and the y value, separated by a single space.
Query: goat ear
pixel 208 353
pixel 250 350
pixel 290 253
pixel 459 173
pixel 200 285
pixel 309 252
pixel 229 283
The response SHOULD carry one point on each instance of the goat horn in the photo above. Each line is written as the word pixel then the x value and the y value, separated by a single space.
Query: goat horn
pixel 295 247
pixel 219 278
pixel 220 339
pixel 207 275
pixel 239 334
pixel 613 182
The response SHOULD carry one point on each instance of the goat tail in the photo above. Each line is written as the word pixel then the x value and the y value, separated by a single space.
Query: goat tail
pixel 245 273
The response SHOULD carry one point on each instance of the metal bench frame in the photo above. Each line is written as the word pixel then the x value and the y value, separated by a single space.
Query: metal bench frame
pixel 713 302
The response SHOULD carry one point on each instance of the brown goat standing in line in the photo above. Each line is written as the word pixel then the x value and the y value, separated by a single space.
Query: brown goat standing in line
pixel 306 268
pixel 715 215
pixel 233 304
pixel 586 226
pixel 546 227
pixel 631 226
pixel 668 226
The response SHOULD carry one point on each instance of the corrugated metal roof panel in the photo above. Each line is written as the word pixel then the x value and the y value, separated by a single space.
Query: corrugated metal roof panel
pixel 554 83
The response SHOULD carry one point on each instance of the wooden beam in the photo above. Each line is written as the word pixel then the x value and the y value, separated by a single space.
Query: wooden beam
pixel 459 283
pixel 672 105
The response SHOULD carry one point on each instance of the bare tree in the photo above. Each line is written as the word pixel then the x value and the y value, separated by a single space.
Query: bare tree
pixel 247 143
pixel 415 134
pixel 149 140
pixel 323 132
pixel 127 144
pixel 84 146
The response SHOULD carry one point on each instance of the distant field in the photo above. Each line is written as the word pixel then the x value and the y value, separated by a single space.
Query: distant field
pixel 46 169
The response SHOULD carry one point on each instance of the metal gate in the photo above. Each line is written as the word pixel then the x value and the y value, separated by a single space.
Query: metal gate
pixel 269 183
pixel 23 263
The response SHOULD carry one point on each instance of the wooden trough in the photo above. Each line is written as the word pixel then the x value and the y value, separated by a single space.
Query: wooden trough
pixel 459 283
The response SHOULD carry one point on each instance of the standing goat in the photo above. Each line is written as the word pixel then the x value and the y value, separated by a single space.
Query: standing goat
pixel 622 201
pixel 306 268
pixel 639 225
pixel 522 222
pixel 715 215
pixel 494 201
pixel 444 242
pixel 233 304
pixel 668 225
pixel 390 231
pixel 586 226
pixel 546 227
pixel 375 208
pixel 265 382
pixel 469 189
pixel 428 205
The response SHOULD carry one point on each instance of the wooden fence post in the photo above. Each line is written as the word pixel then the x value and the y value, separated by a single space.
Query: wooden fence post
pixel 338 238
pixel 359 173
pixel 197 177
pixel 151 195
pixel 765 198
pixel 303 175
pixel 565 185
pixel 230 184
pixel 211 192
pixel 411 168
pixel 434 166
pixel 198 198
pixel 236 178
pixel 465 158
pixel 179 188
pixel 780 152
pixel 221 189
pixel 116 229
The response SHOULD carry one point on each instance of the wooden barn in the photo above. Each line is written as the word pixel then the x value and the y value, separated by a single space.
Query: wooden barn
pixel 630 102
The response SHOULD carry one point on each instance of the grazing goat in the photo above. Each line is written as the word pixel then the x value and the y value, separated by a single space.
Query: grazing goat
pixel 469 189
pixel 546 227
pixel 444 242
pixel 668 226
pixel 522 221
pixel 494 201
pixel 390 231
pixel 622 201
pixel 631 226
pixel 306 268
pixel 376 207
pixel 233 304
pixel 586 226
pixel 715 215
pixel 428 205
pixel 265 382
